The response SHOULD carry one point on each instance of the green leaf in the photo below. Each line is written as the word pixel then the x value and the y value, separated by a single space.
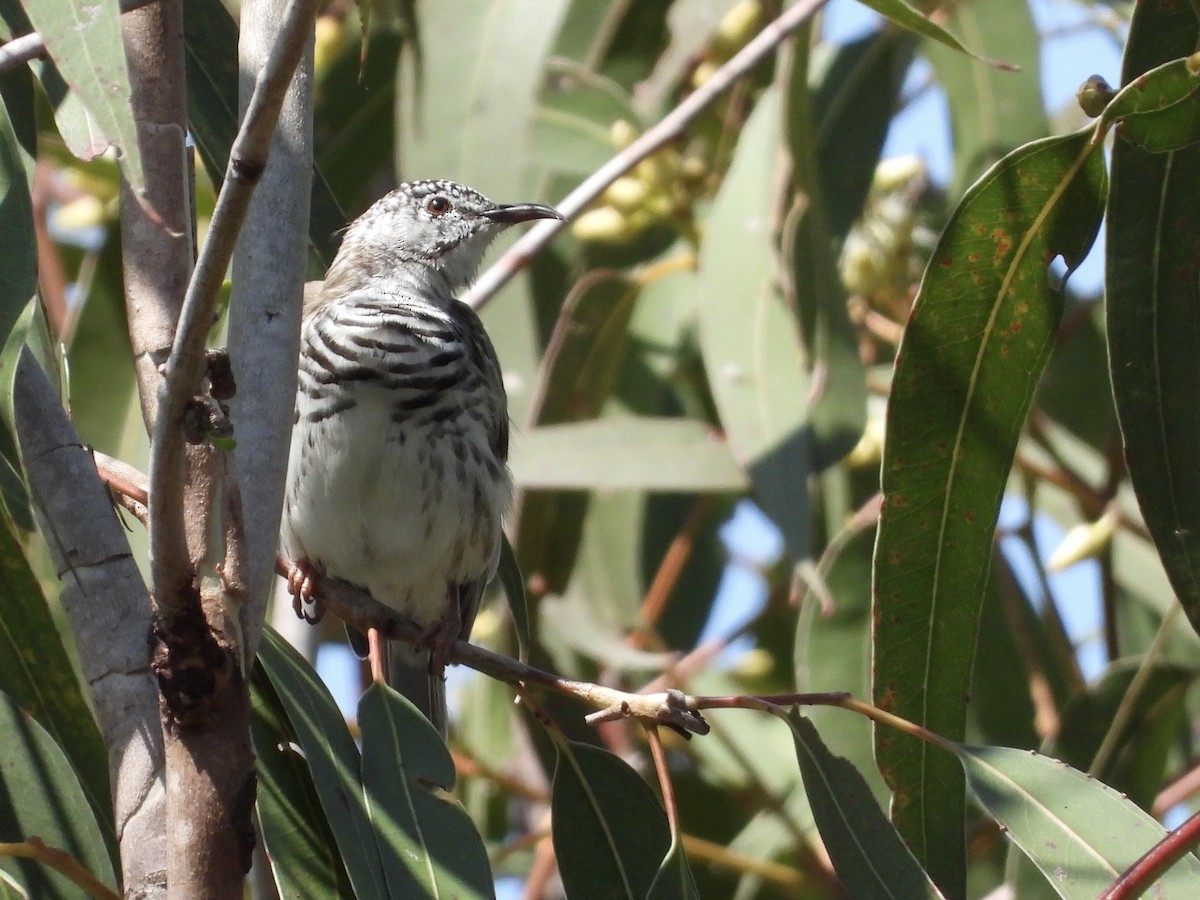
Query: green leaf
pixel 991 111
pixel 1159 110
pixel 84 40
pixel 980 334
pixel 867 853
pixel 332 757
pixel 18 250
pixel 812 237
pixel 354 128
pixel 1078 831
pixel 1137 763
pixel 907 17
pixel 572 123
pixel 34 674
pixel 575 379
pixel 509 573
pixel 626 453
pixel 833 647
pixel 296 834
pixel 608 827
pixel 40 796
pixel 211 40
pixel 18 260
pixel 750 341
pixel 471 120
pixel 1154 335
pixel 428 844
pixel 674 878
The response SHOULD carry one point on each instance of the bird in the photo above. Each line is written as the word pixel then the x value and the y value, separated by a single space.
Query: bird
pixel 397 477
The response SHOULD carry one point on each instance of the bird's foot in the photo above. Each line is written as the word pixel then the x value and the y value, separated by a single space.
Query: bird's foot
pixel 440 638
pixel 302 581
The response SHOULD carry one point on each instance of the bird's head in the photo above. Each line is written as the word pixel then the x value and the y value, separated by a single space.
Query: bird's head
pixel 437 226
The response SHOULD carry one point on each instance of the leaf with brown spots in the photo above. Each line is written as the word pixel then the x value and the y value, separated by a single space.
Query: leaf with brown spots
pixel 963 384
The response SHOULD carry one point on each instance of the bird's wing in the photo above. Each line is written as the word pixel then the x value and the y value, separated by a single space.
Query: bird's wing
pixel 483 356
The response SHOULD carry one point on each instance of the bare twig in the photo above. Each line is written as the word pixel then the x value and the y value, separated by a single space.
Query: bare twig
pixel 667 130
pixel 654 739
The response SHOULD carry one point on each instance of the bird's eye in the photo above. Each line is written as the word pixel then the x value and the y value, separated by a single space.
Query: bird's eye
pixel 438 205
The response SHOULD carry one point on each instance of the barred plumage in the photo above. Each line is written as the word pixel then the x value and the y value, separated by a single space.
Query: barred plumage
pixel 397 479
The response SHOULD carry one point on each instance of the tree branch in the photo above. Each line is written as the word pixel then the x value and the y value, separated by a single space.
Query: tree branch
pixel 264 318
pixel 170 566
pixel 108 609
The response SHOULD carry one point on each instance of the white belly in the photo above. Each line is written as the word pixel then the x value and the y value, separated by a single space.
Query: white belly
pixel 393 507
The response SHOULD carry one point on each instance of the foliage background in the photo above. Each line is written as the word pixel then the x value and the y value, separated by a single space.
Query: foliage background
pixel 723 324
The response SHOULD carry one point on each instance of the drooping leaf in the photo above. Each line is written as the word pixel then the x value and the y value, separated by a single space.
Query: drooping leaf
pixel 332 758
pixel 980 334
pixel 906 16
pixel 40 796
pixel 34 674
pixel 749 339
pixel 867 853
pixel 833 647
pixel 84 40
pixel 1151 271
pixel 427 842
pixel 509 574
pixel 609 829
pixel 991 110
pixel 299 843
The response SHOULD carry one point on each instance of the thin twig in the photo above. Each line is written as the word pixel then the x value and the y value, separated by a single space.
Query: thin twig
pixel 654 739
pixel 667 130
pixel 170 564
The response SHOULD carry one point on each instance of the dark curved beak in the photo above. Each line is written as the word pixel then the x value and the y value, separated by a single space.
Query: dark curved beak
pixel 511 214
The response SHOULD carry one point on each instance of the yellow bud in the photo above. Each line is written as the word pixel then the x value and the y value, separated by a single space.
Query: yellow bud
pixel 755 664
pixel 626 193
pixel 82 213
pixel 869 449
pixel 694 169
pixel 603 225
pixel 897 172
pixel 737 27
pixel 1083 542
pixel 622 134
pixel 329 39
pixel 658 170
pixel 702 73
pixel 861 265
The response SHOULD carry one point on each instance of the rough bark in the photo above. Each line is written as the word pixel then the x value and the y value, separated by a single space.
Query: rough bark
pixel 108 608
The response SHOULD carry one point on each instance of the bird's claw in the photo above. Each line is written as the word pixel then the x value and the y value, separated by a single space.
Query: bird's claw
pixel 440 638
pixel 302 582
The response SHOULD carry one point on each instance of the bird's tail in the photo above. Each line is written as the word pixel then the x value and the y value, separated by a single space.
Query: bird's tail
pixel 408 671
